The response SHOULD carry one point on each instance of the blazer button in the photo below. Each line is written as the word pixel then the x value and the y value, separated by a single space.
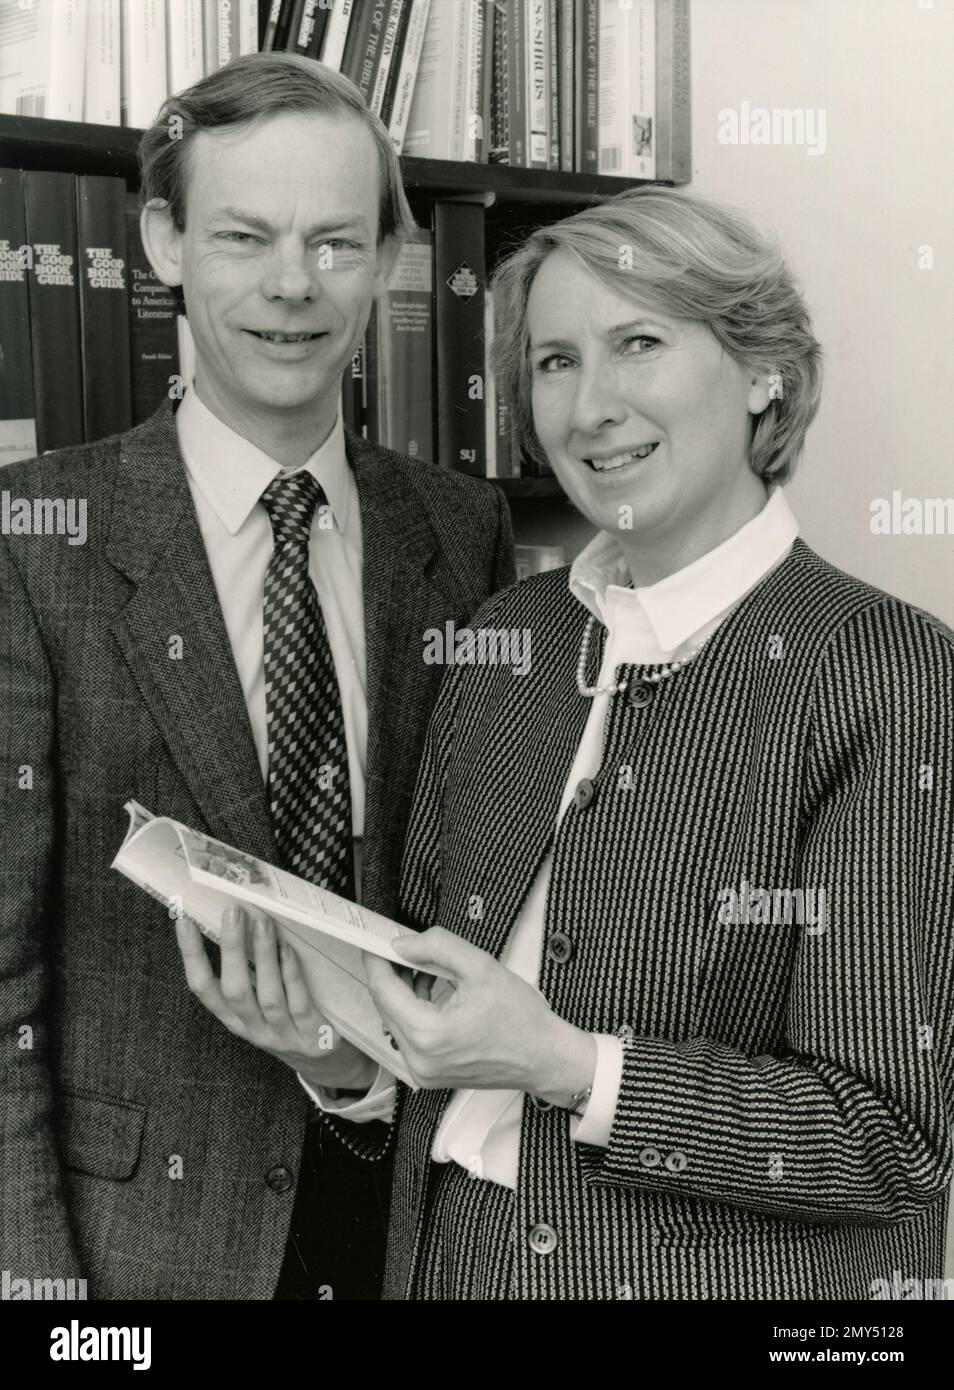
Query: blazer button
pixel 676 1161
pixel 641 694
pixel 280 1178
pixel 650 1157
pixel 585 791
pixel 559 947
pixel 543 1239
pixel 542 1105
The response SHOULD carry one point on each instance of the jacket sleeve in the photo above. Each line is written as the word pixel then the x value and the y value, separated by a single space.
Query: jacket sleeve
pixel 35 1236
pixel 504 570
pixel 848 1120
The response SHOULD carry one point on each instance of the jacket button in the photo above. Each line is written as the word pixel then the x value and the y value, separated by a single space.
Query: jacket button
pixel 542 1105
pixel 650 1157
pixel 280 1178
pixel 585 791
pixel 543 1239
pixel 676 1161
pixel 641 694
pixel 559 947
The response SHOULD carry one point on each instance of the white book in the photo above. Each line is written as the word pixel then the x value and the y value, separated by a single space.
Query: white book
pixel 186 44
pixel 436 119
pixel 627 88
pixel 101 103
pixel 333 44
pixel 407 73
pixel 538 141
pixel 66 75
pixel 144 60
pixel 43 58
pixel 247 25
pixel 198 877
pixel 473 50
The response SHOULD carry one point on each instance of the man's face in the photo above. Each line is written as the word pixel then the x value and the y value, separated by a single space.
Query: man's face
pixel 279 262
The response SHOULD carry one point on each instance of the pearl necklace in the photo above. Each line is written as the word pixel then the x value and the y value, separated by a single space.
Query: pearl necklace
pixel 617 687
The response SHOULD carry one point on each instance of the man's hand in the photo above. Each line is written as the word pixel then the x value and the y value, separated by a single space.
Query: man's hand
pixel 493 1031
pixel 275 1010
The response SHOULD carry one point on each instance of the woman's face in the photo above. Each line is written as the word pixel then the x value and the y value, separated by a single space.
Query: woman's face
pixel 644 417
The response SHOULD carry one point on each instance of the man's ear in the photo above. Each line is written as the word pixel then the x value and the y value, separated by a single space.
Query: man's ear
pixel 162 241
pixel 387 254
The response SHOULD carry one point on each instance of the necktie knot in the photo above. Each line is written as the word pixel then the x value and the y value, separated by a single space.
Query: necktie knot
pixel 290 503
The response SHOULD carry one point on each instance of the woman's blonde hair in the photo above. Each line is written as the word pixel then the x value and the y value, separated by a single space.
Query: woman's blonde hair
pixel 691 258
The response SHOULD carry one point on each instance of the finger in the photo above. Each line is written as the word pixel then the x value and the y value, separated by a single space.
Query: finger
pixel 422 985
pixel 393 997
pixel 200 977
pixel 439 948
pixel 236 982
pixel 305 1013
pixel 269 986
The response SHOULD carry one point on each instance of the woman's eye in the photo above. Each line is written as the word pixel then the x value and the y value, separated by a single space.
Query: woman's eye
pixel 546 364
pixel 642 338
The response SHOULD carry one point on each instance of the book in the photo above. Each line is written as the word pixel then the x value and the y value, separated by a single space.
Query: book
pixel 673 127
pixel 369 42
pixel 186 44
pixel 403 95
pixel 153 339
pixel 627 88
pixel 272 22
pixel 354 394
pixel 499 152
pixel 144 74
pixel 49 202
pixel 459 279
pixel 336 34
pixel 553 83
pixel 436 120
pixel 537 136
pixel 24 56
pixel 490 385
pixel 386 54
pixel 103 84
pixel 473 59
pixel 311 30
pixel 482 152
pixel 17 416
pixel 198 877
pixel 566 80
pixel 220 32
pixel 386 106
pixel 104 310
pixel 586 86
pixel 66 75
pixel 517 89
pixel 401 353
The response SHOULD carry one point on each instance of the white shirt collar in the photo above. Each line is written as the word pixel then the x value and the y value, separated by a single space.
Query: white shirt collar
pixel 232 473
pixel 681 606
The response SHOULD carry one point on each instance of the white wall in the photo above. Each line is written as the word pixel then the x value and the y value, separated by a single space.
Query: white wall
pixel 852 220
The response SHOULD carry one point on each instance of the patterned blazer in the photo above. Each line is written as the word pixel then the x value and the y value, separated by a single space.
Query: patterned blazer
pixel 783 1125
pixel 110 1069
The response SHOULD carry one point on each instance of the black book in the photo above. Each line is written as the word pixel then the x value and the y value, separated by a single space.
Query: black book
pixel 49 200
pixel 387 102
pixel 17 417
pixel 459 279
pixel 104 304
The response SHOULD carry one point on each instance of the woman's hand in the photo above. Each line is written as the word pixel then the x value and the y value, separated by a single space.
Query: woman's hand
pixel 275 1010
pixel 493 1031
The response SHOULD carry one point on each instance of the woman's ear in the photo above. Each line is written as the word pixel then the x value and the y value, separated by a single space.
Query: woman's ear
pixel 760 390
pixel 162 241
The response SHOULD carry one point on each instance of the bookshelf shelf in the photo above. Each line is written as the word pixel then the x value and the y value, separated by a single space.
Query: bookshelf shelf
pixel 74 147
pixel 529 489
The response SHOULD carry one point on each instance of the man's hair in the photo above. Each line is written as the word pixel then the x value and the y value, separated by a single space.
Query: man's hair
pixel 694 259
pixel 254 88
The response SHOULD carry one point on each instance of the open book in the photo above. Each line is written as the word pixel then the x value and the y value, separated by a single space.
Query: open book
pixel 198 877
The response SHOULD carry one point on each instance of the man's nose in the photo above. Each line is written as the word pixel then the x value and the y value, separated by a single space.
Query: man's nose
pixel 291 273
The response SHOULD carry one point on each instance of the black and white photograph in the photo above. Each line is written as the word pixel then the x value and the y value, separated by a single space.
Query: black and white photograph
pixel 490 460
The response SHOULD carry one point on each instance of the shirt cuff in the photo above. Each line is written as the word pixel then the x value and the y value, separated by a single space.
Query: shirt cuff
pixel 377 1104
pixel 595 1125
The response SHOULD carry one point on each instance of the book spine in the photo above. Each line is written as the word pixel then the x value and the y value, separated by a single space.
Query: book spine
pixel 144 60
pixel 17 416
pixel 369 63
pixel 67 65
pixel 500 97
pixel 405 342
pixel 485 131
pixel 247 25
pixel 220 33
pixel 407 76
pixel 336 35
pixel 490 385
pixel 304 31
pixel 186 53
pixel 517 84
pixel 25 58
pixel 627 88
pixel 271 26
pixel 459 278
pixel 392 29
pixel 152 325
pixel 588 124
pixel 54 309
pixel 102 93
pixel 536 83
pixel 567 60
pixel 354 392
pixel 372 423
pixel 397 57
pixel 673 126
pixel 472 61
pixel 553 81
pixel 362 17
pixel 433 127
pixel 104 308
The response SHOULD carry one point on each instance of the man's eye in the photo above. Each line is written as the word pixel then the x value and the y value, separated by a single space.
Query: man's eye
pixel 238 237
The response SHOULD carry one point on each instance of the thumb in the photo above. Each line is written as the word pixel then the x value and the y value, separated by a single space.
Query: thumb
pixel 439 949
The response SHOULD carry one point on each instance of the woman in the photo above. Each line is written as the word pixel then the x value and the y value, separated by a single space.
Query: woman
pixel 692 873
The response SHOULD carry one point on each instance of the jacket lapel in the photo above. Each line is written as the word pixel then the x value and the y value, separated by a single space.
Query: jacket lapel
pixel 173 637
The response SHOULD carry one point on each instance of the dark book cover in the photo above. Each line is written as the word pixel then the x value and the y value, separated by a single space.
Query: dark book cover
pixel 554 57
pixel 387 101
pixel 306 38
pixel 354 393
pixel 371 403
pixel 484 132
pixel 402 383
pixel 17 418
pixel 500 96
pixel 365 17
pixel 459 279
pixel 49 200
pixel 567 84
pixel 103 278
pixel 586 93
pixel 268 16
pixel 517 93
pixel 289 23
pixel 153 309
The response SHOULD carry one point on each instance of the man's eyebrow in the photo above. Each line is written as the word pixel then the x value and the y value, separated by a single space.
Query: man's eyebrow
pixel 562 344
pixel 262 224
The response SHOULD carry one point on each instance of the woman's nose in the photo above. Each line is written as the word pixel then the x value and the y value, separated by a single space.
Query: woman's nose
pixel 598 400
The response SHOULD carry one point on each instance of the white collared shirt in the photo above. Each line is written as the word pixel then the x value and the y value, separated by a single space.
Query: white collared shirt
pixel 480 1129
pixel 227 476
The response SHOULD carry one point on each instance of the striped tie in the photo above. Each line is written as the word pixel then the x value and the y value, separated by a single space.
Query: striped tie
pixel 307 754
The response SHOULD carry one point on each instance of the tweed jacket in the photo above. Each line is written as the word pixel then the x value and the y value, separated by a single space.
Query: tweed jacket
pixel 116 1079
pixel 783 1123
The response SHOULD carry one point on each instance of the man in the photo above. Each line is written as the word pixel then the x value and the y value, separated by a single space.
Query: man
pixel 239 646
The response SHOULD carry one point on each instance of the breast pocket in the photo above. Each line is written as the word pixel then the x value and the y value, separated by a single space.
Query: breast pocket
pixel 100 1136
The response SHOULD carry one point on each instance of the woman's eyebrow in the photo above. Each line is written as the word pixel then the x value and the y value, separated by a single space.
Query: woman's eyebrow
pixel 613 332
